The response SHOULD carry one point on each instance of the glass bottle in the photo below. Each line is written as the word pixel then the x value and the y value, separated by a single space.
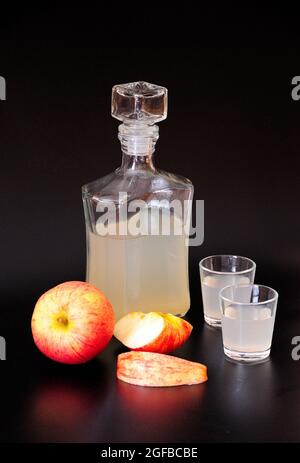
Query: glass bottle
pixel 138 217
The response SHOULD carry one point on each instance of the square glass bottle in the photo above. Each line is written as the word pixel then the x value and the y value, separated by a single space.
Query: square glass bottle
pixel 137 217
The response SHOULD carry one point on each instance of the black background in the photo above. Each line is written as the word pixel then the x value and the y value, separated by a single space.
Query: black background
pixel 233 129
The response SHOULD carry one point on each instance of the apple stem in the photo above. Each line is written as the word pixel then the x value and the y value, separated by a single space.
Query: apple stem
pixel 62 320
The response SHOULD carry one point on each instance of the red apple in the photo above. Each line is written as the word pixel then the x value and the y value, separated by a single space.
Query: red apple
pixel 72 322
pixel 152 332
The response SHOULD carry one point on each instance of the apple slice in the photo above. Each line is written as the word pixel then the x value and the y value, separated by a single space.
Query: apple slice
pixel 152 332
pixel 158 370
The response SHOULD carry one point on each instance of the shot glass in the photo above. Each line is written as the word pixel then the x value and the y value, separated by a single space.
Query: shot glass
pixel 216 272
pixel 248 316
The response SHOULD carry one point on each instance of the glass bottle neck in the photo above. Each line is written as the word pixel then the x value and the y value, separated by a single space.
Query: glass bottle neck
pixel 138 145
pixel 137 163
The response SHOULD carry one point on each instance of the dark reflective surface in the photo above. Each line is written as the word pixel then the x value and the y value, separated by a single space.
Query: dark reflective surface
pixel 42 401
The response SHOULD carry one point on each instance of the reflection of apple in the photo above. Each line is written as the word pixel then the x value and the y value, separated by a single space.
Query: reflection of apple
pixel 58 411
pixel 160 414
pixel 152 332
pixel 72 322
pixel 60 405
pixel 149 404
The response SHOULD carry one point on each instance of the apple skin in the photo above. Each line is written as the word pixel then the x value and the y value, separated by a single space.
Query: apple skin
pixel 72 322
pixel 174 333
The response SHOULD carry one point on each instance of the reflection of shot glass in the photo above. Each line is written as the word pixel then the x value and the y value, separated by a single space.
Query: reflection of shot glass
pixel 216 272
pixel 248 315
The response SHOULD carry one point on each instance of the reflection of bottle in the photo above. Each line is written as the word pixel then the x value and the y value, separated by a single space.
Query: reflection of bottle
pixel 140 259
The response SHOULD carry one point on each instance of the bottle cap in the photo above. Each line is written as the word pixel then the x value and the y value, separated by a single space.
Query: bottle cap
pixel 139 102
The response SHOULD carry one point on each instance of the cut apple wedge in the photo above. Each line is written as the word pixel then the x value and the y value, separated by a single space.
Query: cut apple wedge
pixel 158 370
pixel 152 332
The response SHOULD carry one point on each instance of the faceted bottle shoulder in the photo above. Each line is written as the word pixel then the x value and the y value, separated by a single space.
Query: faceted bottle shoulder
pixel 173 180
pixel 96 186
pixel 137 185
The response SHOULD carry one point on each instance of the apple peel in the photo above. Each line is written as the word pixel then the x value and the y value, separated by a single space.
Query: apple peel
pixel 152 332
pixel 158 370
